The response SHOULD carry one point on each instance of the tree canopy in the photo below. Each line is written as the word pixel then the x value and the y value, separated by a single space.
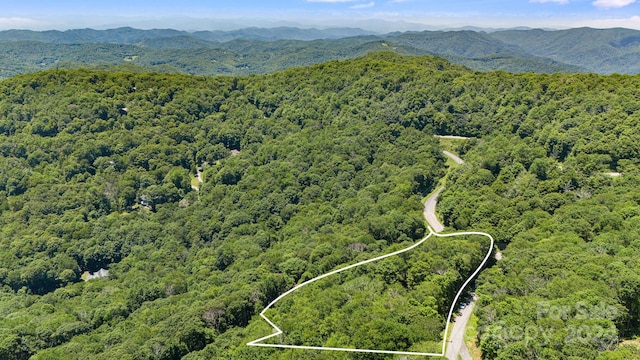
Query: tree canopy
pixel 305 171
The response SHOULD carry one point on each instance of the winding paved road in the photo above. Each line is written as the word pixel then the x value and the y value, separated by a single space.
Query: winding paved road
pixel 456 344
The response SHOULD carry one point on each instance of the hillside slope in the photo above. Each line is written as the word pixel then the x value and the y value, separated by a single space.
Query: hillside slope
pixel 304 171
pixel 597 50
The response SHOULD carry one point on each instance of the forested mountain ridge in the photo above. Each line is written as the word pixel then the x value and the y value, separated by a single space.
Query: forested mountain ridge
pixel 481 51
pixel 245 51
pixel 574 50
pixel 330 164
pixel 190 55
pixel 596 50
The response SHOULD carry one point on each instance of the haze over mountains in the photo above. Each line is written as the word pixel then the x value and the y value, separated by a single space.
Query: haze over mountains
pixel 260 50
pixel 131 36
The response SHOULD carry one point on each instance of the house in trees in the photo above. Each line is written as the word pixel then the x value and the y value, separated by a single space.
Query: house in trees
pixel 86 276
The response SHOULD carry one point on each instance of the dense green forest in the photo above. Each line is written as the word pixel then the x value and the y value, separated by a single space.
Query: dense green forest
pixel 599 50
pixel 305 171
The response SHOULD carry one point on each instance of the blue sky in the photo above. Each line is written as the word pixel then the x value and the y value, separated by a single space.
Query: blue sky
pixel 201 14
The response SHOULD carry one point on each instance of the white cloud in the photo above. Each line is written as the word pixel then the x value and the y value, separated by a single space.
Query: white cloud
pixel 364 6
pixel 552 1
pixel 609 4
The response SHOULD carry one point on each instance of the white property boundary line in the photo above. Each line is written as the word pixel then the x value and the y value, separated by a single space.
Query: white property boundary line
pixel 259 342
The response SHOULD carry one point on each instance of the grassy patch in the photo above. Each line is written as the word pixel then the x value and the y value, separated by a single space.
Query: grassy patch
pixel 451 145
pixel 471 336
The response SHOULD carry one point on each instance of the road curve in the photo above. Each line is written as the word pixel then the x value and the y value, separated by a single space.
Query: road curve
pixel 430 211
pixel 432 200
pixel 453 157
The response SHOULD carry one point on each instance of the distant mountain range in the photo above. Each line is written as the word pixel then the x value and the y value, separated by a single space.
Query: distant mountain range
pixel 131 36
pixel 260 50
